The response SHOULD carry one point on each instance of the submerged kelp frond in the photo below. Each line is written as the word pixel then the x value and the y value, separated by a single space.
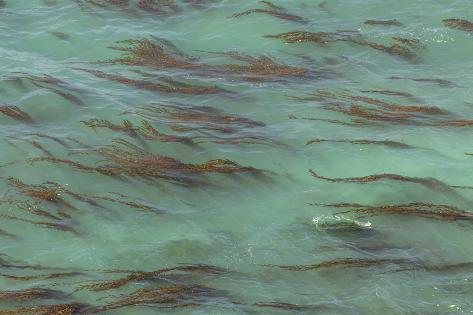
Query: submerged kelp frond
pixel 460 24
pixel 419 209
pixel 158 6
pixel 138 276
pixel 318 37
pixel 16 113
pixel 170 296
pixel 205 117
pixel 143 52
pixel 164 55
pixel 54 309
pixel 53 84
pixel 125 158
pixel 43 276
pixel 346 263
pixel 439 82
pixel 132 204
pixel 32 294
pixel 258 68
pixel 402 47
pixel 273 10
pixel 428 182
pixel 393 22
pixel 388 143
pixel 291 307
pixel 146 131
pixel 48 191
pixel 48 225
pixel 168 85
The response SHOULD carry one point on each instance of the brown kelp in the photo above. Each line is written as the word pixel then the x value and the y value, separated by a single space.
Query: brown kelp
pixel 16 113
pixel 63 227
pixel 56 275
pixel 132 204
pixel 418 209
pixel 439 82
pixel 273 10
pixel 390 93
pixel 206 117
pixel 169 296
pixel 31 294
pixel 388 143
pixel 146 131
pixel 460 24
pixel 402 47
pixel 53 309
pixel 392 22
pixel 48 191
pixel 346 263
pixel 369 111
pixel 166 85
pixel 53 84
pixel 164 55
pixel 318 37
pixel 140 276
pixel 431 183
pixel 290 306
pixel 125 158
pixel 157 7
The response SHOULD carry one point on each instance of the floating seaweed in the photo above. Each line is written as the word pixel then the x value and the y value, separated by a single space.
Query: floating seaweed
pixel 164 55
pixel 131 204
pixel 137 276
pixel 318 37
pixel 206 117
pixel 390 93
pixel 127 126
pixel 16 113
pixel 460 24
pixel 258 68
pixel 273 10
pixel 32 294
pixel 440 82
pixel 49 191
pixel 146 131
pixel 403 47
pixel 168 85
pixel 291 307
pixel 144 52
pixel 124 158
pixel 388 143
pixel 48 225
pixel 158 6
pixel 393 22
pixel 53 138
pixel 431 183
pixel 170 296
pixel 346 263
pixel 54 309
pixel 40 147
pixel 419 209
pixel 57 275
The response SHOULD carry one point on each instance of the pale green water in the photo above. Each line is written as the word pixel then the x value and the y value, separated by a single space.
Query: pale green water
pixel 243 222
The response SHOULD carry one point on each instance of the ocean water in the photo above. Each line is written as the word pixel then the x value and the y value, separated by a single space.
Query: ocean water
pixel 88 199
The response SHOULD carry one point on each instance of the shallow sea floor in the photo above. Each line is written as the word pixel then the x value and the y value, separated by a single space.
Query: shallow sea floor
pixel 171 157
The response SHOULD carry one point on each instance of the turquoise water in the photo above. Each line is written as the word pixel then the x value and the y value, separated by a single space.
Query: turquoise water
pixel 249 222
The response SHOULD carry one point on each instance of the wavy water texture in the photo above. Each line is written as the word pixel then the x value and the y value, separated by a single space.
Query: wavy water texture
pixel 235 157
